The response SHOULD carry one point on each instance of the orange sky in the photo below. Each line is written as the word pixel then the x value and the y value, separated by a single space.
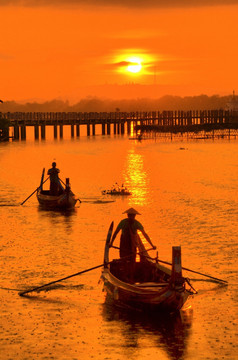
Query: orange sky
pixel 73 51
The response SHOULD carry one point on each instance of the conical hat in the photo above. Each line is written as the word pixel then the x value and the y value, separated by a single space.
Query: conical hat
pixel 131 211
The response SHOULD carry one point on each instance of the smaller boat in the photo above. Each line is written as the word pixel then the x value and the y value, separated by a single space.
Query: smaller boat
pixel 65 199
pixel 154 287
pixel 117 190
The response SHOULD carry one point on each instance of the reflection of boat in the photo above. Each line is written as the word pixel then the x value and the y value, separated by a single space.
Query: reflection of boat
pixel 152 287
pixel 160 332
pixel 65 199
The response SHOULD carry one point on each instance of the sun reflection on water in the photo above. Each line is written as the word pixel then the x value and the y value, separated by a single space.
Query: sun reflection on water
pixel 136 178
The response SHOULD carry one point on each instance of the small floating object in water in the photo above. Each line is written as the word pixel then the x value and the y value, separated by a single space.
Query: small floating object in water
pixel 117 190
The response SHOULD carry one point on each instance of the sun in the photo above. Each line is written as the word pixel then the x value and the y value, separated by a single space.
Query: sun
pixel 134 65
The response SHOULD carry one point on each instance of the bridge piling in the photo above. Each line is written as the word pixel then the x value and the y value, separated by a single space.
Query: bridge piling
pixel 72 130
pixel 88 129
pixel 16 132
pixel 108 128
pixel 61 132
pixel 55 132
pixel 43 132
pixel 77 130
pixel 129 127
pixel 122 128
pixel 103 129
pixel 23 132
pixel 36 132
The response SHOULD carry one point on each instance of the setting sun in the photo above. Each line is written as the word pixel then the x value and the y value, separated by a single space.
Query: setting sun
pixel 134 65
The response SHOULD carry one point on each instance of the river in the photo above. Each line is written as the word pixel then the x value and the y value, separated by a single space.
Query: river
pixel 186 192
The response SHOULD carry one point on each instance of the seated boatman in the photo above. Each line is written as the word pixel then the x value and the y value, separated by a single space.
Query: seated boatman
pixel 55 185
pixel 128 245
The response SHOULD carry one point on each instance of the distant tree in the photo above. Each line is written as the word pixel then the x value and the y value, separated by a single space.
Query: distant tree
pixel 97 104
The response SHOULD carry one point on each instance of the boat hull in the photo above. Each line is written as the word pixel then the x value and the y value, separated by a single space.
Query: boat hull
pixel 151 297
pixel 66 200
pixel 144 285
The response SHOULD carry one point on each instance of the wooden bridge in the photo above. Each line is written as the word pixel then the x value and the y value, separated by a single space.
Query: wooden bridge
pixel 118 122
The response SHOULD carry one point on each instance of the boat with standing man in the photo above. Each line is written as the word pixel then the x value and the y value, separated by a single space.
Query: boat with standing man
pixel 153 287
pixel 63 198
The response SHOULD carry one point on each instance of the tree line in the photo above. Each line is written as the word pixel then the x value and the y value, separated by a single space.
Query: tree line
pixel 96 104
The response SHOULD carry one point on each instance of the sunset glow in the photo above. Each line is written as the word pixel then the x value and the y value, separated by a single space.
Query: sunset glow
pixel 132 62
pixel 73 50
pixel 134 65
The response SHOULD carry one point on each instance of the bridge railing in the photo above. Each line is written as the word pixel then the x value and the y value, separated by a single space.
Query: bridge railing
pixel 161 118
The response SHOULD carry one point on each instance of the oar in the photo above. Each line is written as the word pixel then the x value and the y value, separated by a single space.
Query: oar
pixel 42 177
pixel 22 293
pixel 62 182
pixel 70 276
pixel 211 277
pixel 34 191
pixel 195 272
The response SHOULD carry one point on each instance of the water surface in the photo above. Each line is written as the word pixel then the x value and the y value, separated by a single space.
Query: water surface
pixel 187 194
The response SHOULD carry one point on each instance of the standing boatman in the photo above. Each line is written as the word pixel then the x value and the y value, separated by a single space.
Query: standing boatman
pixel 128 240
pixel 54 179
pixel 129 227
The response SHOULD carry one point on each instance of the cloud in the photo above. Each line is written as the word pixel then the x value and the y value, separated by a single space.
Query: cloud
pixel 121 3
pixel 124 63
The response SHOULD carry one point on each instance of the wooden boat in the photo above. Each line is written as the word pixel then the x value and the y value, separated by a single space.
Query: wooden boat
pixel 66 199
pixel 122 192
pixel 117 190
pixel 154 287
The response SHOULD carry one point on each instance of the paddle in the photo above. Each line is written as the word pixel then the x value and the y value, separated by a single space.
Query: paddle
pixel 62 182
pixel 42 177
pixel 195 272
pixel 211 277
pixel 34 191
pixel 22 293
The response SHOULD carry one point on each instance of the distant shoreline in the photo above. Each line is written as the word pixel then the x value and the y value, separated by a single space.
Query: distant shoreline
pixel 90 104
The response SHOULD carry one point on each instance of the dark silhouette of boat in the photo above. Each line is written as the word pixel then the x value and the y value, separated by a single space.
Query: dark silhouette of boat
pixel 65 199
